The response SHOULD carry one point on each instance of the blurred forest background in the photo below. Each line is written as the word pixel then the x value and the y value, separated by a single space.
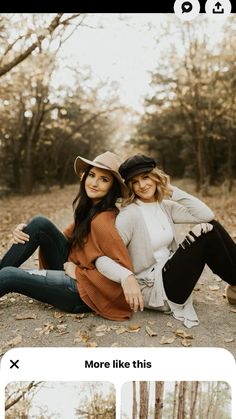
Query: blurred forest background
pixel 187 119
pixel 177 400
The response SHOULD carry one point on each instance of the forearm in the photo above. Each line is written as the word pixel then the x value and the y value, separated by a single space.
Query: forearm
pixel 112 270
pixel 191 209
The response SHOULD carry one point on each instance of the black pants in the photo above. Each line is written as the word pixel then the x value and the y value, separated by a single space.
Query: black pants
pixel 215 248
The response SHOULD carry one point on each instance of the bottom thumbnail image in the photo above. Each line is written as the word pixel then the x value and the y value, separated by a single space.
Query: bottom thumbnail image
pixel 60 400
pixel 176 400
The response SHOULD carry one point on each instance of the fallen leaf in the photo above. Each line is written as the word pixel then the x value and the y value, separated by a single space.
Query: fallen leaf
pixel 150 332
pixel 61 327
pixel 164 340
pixel 80 316
pixel 186 342
pixel 58 315
pixel 209 298
pixel 61 333
pixel 81 336
pixel 102 328
pixel 26 316
pixel 91 344
pixel 12 299
pixel 15 341
pixel 121 330
pixel 48 327
pixel 182 334
pixel 214 287
pixel 134 326
pixel 228 340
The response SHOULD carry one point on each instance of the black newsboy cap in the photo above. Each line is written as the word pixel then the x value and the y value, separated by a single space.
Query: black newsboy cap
pixel 135 165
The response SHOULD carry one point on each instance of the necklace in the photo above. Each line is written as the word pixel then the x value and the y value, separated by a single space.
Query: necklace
pixel 153 211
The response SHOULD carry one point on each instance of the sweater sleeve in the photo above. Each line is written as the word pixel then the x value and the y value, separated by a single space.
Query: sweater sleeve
pixel 107 238
pixel 186 208
pixel 112 270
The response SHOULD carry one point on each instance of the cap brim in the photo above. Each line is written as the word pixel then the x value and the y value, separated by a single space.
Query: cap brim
pixel 137 172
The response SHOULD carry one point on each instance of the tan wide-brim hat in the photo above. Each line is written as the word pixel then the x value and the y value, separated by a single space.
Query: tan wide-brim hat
pixel 107 161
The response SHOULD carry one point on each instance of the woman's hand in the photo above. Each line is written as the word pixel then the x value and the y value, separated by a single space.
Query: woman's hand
pixel 133 294
pixel 19 236
pixel 69 268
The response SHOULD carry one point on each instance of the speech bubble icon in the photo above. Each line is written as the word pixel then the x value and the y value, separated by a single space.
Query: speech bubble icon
pixel 186 7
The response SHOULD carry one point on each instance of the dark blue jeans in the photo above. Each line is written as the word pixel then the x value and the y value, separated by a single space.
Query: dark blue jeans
pixel 56 288
pixel 42 233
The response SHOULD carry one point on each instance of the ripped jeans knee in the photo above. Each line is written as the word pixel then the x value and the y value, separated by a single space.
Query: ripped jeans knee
pixel 197 231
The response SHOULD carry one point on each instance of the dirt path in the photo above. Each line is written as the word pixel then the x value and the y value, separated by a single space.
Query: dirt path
pixel 28 323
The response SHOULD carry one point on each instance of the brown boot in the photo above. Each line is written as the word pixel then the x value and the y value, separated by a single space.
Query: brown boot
pixel 230 292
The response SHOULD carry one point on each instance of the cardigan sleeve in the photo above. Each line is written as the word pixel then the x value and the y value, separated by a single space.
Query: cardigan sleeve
pixel 186 208
pixel 126 221
pixel 112 270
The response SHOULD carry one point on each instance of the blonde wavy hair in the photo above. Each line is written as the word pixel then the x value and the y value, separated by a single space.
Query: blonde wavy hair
pixel 163 189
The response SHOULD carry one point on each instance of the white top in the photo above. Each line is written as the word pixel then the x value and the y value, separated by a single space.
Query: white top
pixel 159 228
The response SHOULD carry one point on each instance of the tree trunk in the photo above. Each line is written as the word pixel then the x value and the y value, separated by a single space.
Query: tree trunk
pixel 143 404
pixel 159 391
pixel 175 400
pixel 134 406
pixel 181 400
pixel 193 399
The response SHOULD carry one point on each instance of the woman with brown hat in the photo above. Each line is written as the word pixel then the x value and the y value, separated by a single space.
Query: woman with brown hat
pixel 70 280
pixel 166 273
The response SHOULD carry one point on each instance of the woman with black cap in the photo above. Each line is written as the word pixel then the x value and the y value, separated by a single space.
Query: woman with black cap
pixel 70 280
pixel 165 273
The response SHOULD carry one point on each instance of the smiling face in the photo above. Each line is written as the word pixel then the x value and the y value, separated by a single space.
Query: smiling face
pixel 98 183
pixel 144 187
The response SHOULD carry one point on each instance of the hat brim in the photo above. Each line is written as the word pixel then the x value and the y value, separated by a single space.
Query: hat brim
pixel 81 165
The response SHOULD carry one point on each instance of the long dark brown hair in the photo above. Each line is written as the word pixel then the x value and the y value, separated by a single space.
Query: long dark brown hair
pixel 85 211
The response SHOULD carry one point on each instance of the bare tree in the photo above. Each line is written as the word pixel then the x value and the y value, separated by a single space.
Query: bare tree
pixel 194 394
pixel 134 405
pixel 18 398
pixel 175 400
pixel 181 400
pixel 143 400
pixel 10 60
pixel 159 392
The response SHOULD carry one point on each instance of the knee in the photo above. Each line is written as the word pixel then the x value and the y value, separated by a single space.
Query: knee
pixel 8 272
pixel 39 222
pixel 215 223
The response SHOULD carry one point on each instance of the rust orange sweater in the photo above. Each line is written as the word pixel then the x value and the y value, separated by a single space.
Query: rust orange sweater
pixel 101 294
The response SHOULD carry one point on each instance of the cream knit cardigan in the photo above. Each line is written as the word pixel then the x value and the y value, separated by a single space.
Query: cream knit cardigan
pixel 182 208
